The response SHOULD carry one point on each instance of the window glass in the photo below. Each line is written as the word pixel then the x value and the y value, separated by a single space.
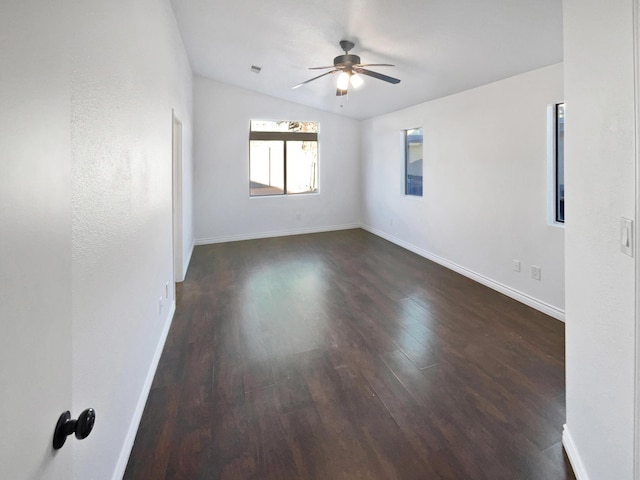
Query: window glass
pixel 266 167
pixel 283 126
pixel 413 161
pixel 302 160
pixel 559 162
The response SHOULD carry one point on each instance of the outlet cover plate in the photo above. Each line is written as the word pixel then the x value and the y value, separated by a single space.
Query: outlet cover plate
pixel 535 272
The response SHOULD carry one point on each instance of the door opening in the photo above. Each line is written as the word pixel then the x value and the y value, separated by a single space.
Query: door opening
pixel 178 268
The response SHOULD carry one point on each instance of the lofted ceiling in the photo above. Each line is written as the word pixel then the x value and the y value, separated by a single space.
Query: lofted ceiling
pixel 439 47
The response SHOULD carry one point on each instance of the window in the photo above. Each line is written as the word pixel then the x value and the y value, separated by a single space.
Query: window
pixel 413 161
pixel 283 158
pixel 559 162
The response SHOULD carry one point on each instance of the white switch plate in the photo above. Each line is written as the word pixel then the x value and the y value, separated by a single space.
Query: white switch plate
pixel 535 272
pixel 626 236
pixel 516 265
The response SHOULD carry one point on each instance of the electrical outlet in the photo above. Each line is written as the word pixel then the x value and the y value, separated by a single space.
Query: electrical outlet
pixel 516 265
pixel 536 272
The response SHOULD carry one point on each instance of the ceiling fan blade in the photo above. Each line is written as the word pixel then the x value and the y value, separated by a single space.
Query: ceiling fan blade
pixel 374 65
pixel 377 75
pixel 321 68
pixel 314 78
pixel 340 92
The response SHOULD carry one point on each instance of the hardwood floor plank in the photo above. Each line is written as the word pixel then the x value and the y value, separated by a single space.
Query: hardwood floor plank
pixel 341 356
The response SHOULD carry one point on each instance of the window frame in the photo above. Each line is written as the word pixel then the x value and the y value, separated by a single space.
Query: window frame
pixel 284 137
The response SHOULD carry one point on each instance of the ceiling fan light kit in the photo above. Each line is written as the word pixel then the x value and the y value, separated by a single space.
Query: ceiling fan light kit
pixel 351 70
pixel 343 80
pixel 356 80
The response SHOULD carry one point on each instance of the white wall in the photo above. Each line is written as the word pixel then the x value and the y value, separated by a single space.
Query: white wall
pixel 223 209
pixel 129 71
pixel 600 176
pixel 485 185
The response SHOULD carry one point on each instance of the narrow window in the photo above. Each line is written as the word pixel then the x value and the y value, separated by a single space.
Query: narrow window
pixel 413 161
pixel 283 158
pixel 559 162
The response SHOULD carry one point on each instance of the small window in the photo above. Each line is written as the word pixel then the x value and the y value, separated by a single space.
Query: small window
pixel 283 158
pixel 413 161
pixel 559 162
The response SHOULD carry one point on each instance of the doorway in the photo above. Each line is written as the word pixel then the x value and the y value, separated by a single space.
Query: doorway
pixel 178 269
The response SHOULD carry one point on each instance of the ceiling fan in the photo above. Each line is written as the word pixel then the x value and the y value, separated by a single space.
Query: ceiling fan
pixel 350 70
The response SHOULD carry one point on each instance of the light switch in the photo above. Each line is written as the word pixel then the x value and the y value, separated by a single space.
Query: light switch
pixel 626 236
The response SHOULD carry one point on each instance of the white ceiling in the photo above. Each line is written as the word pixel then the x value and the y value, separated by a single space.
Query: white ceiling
pixel 439 47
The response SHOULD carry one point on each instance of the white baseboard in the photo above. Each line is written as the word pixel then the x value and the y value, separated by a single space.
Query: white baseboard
pixel 499 287
pixel 574 457
pixel 278 233
pixel 123 459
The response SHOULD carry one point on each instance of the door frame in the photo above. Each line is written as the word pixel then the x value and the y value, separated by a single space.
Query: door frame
pixel 636 243
pixel 176 197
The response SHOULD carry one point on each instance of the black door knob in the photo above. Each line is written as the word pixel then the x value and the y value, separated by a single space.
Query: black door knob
pixel 81 427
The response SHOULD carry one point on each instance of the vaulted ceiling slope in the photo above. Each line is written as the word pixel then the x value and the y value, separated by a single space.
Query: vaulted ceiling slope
pixel 439 47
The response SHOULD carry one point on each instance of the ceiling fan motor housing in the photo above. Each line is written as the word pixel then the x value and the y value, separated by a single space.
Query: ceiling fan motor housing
pixel 346 60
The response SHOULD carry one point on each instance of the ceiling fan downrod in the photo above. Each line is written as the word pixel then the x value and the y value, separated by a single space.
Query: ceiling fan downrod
pixel 346 60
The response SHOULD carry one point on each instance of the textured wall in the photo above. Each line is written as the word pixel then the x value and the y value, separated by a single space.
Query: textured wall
pixel 223 209
pixel 129 70
pixel 600 174
pixel 485 184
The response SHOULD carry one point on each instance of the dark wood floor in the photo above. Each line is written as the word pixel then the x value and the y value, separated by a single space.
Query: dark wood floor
pixel 341 356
